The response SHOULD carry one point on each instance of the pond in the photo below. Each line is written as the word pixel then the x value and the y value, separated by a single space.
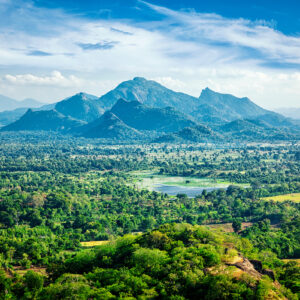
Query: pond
pixel 190 191
pixel 173 185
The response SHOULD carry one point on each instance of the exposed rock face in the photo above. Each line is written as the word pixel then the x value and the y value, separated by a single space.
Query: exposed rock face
pixel 248 267
pixel 253 267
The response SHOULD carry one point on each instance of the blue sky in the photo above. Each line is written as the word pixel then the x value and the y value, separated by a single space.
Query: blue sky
pixel 52 49
pixel 283 15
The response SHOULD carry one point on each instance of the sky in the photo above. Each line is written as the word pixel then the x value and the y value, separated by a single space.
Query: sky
pixel 52 49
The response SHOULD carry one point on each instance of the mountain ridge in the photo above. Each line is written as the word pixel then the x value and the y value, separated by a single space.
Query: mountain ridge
pixel 110 126
pixel 145 105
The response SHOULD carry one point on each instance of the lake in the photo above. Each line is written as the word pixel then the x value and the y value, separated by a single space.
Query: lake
pixel 173 185
pixel 190 191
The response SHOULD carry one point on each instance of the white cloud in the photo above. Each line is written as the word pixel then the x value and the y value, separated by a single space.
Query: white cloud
pixel 212 28
pixel 54 79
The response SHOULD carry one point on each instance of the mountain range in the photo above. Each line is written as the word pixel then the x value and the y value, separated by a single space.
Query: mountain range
pixel 144 109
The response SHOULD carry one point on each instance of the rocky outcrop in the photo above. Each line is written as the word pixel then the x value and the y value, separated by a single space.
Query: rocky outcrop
pixel 252 267
pixel 246 266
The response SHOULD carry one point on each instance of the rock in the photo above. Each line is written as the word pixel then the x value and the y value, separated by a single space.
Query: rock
pixel 248 267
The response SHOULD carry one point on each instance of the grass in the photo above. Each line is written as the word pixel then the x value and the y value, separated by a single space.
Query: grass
pixel 22 272
pixel 292 197
pixel 227 227
pixel 93 243
pixel 292 259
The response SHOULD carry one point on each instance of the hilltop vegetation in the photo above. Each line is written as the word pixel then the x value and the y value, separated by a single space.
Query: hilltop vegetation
pixel 177 261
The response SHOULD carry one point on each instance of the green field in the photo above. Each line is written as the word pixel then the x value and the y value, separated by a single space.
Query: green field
pixel 297 260
pixel 279 198
pixel 93 243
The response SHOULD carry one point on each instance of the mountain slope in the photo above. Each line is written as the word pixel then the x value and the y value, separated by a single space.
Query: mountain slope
pixel 109 126
pixel 219 107
pixel 9 116
pixel 239 126
pixel 256 129
pixel 80 106
pixel 195 134
pixel 142 117
pixel 49 120
pixel 275 120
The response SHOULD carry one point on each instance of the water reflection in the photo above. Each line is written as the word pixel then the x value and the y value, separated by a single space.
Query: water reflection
pixel 173 190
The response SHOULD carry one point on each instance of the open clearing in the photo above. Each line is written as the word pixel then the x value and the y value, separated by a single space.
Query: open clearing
pixel 227 227
pixel 292 197
pixel 40 270
pixel 93 243
pixel 150 180
pixel 297 260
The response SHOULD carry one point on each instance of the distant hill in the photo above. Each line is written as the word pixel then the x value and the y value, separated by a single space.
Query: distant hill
pixel 217 108
pixel 81 106
pixel 289 112
pixel 7 103
pixel 240 126
pixel 142 117
pixel 255 130
pixel 110 126
pixel 196 134
pixel 32 103
pixel 49 120
pixel 9 116
pixel 275 120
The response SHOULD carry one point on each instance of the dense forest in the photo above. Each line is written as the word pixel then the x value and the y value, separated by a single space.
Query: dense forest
pixel 57 193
